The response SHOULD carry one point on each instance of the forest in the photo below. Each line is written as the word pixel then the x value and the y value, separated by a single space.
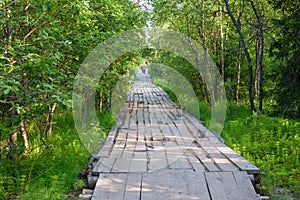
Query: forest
pixel 255 45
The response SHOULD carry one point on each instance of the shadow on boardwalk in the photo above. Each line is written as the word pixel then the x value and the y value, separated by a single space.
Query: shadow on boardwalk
pixel 155 151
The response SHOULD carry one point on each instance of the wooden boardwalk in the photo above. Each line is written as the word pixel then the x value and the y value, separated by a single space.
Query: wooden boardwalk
pixel 155 151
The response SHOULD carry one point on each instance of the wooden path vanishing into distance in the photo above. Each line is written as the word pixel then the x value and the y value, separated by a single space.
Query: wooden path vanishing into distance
pixel 157 152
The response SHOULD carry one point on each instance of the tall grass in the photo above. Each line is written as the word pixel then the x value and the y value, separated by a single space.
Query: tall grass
pixel 50 171
pixel 272 144
pixel 47 171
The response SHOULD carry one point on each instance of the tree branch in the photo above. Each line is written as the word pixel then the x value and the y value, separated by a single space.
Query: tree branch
pixel 9 4
pixel 33 30
pixel 244 46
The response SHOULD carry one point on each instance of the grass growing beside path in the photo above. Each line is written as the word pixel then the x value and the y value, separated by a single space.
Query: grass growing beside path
pixel 272 144
pixel 46 172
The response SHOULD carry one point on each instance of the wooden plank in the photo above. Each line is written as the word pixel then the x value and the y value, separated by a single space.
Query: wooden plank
pixel 137 156
pixel 109 142
pixel 104 165
pixel 209 164
pixel 196 184
pixel 202 156
pixel 139 159
pixel 139 162
pixel 194 121
pixel 131 140
pixel 196 164
pixel 215 186
pixel 213 153
pixel 166 185
pixel 133 120
pixel 173 185
pixel 183 140
pixel 171 112
pixel 149 138
pixel 237 159
pixel 140 117
pixel 140 146
pixel 181 163
pixel 193 125
pixel 156 133
pixel 152 116
pixel 146 115
pixel 150 97
pixel 120 143
pixel 125 124
pixel 205 132
pixel 245 186
pixel 184 132
pixel 110 186
pixel 157 158
pixel 133 186
pixel 122 164
pixel 160 117
pixel 230 186
pixel 117 151
pixel 173 153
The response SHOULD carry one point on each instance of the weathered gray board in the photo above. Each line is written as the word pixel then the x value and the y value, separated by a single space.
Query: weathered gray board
pixel 156 151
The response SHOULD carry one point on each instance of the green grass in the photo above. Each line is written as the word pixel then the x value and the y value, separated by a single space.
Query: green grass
pixel 271 143
pixel 46 172
pixel 51 172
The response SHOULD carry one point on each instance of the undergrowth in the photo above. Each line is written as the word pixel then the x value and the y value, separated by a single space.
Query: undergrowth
pixel 272 144
pixel 49 170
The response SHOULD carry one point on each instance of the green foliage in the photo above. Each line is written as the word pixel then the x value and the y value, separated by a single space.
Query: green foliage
pixel 286 49
pixel 271 143
pixel 43 44
pixel 205 22
pixel 107 120
pixel 49 170
pixel 170 93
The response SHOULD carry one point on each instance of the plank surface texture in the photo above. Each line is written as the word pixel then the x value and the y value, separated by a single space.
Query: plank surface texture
pixel 157 151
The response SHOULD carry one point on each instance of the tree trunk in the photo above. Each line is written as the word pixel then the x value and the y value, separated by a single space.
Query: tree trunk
pixel 259 56
pixel 24 134
pixel 85 106
pixel 100 101
pixel 249 61
pixel 239 55
pixel 48 128
pixel 108 104
pixel 203 37
pixel 238 74
pixel 13 146
pixel 257 72
pixel 222 43
pixel 200 79
pixel 261 91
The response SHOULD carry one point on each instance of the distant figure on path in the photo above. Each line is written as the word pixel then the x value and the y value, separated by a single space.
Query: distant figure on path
pixel 143 69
